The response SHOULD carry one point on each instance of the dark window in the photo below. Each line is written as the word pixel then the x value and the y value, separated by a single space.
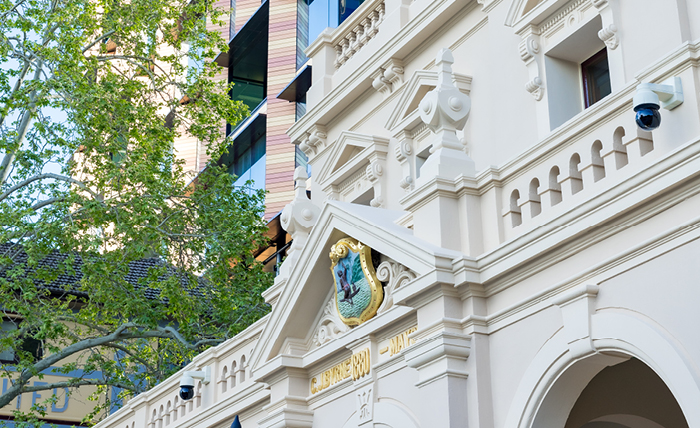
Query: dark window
pixel 246 155
pixel 247 68
pixel 347 7
pixel 324 13
pixel 245 158
pixel 30 345
pixel 596 78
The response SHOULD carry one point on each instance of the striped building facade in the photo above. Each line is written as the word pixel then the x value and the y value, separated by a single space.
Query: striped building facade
pixel 285 45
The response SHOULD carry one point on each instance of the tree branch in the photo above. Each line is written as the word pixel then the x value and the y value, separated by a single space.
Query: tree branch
pixel 98 40
pixel 120 334
pixel 11 10
pixel 44 177
pixel 74 383
pixel 46 202
pixel 8 160
pixel 132 355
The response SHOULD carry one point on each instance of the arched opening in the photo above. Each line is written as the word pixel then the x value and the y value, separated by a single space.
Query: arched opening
pixel 619 148
pixel 557 376
pixel 224 379
pixel 176 406
pixel 514 209
pixel 626 395
pixel 554 186
pixel 168 409
pixel 198 394
pixel 233 374
pixel 597 161
pixel 575 174
pixel 534 198
pixel 242 370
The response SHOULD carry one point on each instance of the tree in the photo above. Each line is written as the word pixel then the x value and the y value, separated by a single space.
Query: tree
pixel 92 95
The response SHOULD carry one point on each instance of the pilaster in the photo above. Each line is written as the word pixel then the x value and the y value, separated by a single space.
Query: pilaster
pixel 442 372
pixel 289 385
pixel 444 200
pixel 610 18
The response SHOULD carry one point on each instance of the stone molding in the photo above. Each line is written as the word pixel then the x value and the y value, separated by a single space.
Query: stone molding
pixel 395 276
pixel 329 327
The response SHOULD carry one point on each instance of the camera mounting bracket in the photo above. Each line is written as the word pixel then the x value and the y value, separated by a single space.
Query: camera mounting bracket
pixel 204 375
pixel 670 92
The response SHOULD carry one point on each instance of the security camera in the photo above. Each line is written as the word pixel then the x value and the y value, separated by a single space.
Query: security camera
pixel 650 97
pixel 187 382
pixel 186 392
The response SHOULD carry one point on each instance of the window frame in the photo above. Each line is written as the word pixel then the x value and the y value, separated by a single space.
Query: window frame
pixel 27 344
pixel 589 90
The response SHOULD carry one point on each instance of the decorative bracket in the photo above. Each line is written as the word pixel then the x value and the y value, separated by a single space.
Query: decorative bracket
pixel 374 171
pixel 389 77
pixel 599 4
pixel 536 88
pixel 314 140
pixel 609 36
pixel 529 49
pixel 404 154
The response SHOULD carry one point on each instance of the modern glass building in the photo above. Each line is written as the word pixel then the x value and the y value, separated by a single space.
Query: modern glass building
pixel 271 74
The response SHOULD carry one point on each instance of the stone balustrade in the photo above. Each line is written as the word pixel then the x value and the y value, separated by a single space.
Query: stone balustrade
pixel 357 31
pixel 162 406
pixel 587 159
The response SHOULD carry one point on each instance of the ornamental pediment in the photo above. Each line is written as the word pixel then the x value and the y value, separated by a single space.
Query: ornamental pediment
pixel 538 16
pixel 405 114
pixel 350 151
pixel 354 167
pixel 369 249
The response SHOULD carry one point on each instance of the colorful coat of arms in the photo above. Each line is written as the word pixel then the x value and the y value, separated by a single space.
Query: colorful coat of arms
pixel 358 292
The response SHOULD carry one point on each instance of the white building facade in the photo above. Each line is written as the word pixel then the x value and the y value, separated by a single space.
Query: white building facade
pixel 534 253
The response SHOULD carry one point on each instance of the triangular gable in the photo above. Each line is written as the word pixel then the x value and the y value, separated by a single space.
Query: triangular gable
pixel 518 8
pixel 350 150
pixel 405 114
pixel 310 281
pixel 523 13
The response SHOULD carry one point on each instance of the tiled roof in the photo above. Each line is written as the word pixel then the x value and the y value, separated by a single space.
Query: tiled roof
pixel 65 282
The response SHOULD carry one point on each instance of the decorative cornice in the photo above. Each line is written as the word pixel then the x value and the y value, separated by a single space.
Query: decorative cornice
pixel 561 15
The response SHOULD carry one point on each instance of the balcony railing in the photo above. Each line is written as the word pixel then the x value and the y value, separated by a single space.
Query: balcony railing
pixel 162 407
pixel 361 27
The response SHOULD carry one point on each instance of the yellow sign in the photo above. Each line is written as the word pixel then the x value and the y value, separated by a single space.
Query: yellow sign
pixel 70 408
pixel 356 366
pixel 399 342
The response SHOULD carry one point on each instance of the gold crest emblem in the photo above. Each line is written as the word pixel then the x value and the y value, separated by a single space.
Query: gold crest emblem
pixel 358 292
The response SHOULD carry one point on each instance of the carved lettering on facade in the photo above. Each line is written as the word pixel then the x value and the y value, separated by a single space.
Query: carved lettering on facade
pixel 356 367
pixel 399 342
